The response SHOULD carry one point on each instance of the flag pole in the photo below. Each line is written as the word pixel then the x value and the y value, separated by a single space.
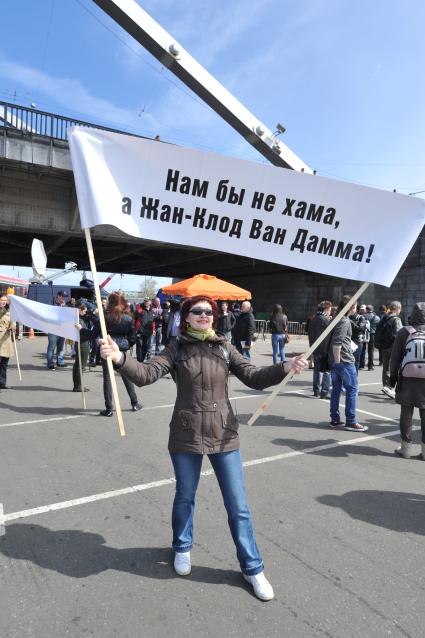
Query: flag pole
pixel 16 355
pixel 263 407
pixel 83 396
pixel 103 329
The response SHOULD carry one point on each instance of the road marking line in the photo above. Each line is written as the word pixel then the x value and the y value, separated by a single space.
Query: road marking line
pixel 78 416
pixel 379 416
pixel 152 407
pixel 56 418
pixel 147 486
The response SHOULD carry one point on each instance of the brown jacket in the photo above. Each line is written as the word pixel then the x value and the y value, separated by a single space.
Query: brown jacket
pixel 203 421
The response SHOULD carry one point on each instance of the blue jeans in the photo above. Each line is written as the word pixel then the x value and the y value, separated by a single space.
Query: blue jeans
pixel 229 472
pixel 344 375
pixel 53 341
pixel 278 345
pixel 326 379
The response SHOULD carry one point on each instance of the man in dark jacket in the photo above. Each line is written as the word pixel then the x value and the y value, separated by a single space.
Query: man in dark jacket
pixel 410 390
pixel 244 329
pixel 145 332
pixel 316 326
pixel 388 329
pixel 373 319
pixel 358 329
pixel 226 321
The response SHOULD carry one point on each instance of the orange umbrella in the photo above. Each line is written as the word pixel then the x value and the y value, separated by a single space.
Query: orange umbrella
pixel 207 285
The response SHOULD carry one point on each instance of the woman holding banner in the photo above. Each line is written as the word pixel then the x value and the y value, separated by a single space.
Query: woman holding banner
pixel 6 343
pixel 203 423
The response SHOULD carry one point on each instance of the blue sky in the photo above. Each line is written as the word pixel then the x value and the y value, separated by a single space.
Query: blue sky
pixel 345 78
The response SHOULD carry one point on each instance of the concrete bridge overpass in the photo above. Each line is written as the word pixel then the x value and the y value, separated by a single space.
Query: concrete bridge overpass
pixel 37 199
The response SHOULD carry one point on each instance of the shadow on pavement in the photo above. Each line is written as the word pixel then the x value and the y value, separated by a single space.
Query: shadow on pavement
pixel 81 554
pixel 37 409
pixel 397 511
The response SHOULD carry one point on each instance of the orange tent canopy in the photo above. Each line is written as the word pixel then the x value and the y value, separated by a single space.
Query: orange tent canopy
pixel 207 285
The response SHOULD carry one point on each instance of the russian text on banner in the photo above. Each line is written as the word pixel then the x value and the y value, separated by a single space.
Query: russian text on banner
pixel 163 192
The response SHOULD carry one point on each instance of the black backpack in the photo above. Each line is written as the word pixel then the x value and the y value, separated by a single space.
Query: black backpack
pixel 384 337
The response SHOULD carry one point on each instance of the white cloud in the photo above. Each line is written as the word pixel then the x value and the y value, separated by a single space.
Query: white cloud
pixel 71 94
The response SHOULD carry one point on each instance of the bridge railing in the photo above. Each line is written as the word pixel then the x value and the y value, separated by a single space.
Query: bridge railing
pixel 36 122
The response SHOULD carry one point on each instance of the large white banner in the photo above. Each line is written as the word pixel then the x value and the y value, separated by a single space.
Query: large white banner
pixel 167 193
pixel 57 320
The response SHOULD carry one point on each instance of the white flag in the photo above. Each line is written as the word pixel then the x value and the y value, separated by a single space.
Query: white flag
pixel 57 320
pixel 181 196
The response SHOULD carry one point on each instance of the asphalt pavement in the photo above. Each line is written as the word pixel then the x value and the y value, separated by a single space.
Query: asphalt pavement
pixel 339 519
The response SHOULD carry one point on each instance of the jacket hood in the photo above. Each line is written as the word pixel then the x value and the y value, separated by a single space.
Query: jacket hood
pixel 418 314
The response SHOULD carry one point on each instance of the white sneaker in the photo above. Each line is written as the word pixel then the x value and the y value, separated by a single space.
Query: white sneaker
pixel 262 588
pixel 182 565
pixel 390 392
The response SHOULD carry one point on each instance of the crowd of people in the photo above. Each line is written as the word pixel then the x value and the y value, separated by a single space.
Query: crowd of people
pixel 343 352
pixel 199 343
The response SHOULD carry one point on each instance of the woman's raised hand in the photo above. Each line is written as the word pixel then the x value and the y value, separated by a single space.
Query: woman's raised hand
pixel 297 364
pixel 108 347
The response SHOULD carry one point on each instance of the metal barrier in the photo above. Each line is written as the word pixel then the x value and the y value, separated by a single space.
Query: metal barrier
pixel 262 327
pixel 35 122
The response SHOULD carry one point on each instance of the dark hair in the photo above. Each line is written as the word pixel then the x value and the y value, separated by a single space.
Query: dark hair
pixel 117 304
pixel 344 301
pixel 189 303
pixel 277 309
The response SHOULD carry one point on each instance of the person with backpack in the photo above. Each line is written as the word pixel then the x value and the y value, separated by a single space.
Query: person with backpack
pixel 203 423
pixel 374 320
pixel 358 329
pixel 407 373
pixel 383 312
pixel 366 337
pixel 385 336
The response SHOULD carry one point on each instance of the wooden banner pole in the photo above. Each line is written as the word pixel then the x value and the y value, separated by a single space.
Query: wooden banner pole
pixel 103 330
pixel 309 352
pixel 83 395
pixel 16 355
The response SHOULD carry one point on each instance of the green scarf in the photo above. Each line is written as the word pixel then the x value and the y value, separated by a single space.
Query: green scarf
pixel 202 335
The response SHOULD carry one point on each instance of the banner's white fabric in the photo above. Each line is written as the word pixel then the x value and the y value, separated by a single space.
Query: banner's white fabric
pixel 167 193
pixel 57 320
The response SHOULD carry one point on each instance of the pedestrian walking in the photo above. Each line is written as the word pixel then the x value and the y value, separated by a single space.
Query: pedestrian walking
pixel 55 343
pixel 226 320
pixel 6 343
pixel 83 346
pixel 374 320
pixel 407 374
pixel 316 326
pixel 344 373
pixel 385 335
pixel 244 330
pixel 278 322
pixel 121 329
pixel 203 423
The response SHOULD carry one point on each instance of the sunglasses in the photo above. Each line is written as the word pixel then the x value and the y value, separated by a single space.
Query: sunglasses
pixel 200 311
